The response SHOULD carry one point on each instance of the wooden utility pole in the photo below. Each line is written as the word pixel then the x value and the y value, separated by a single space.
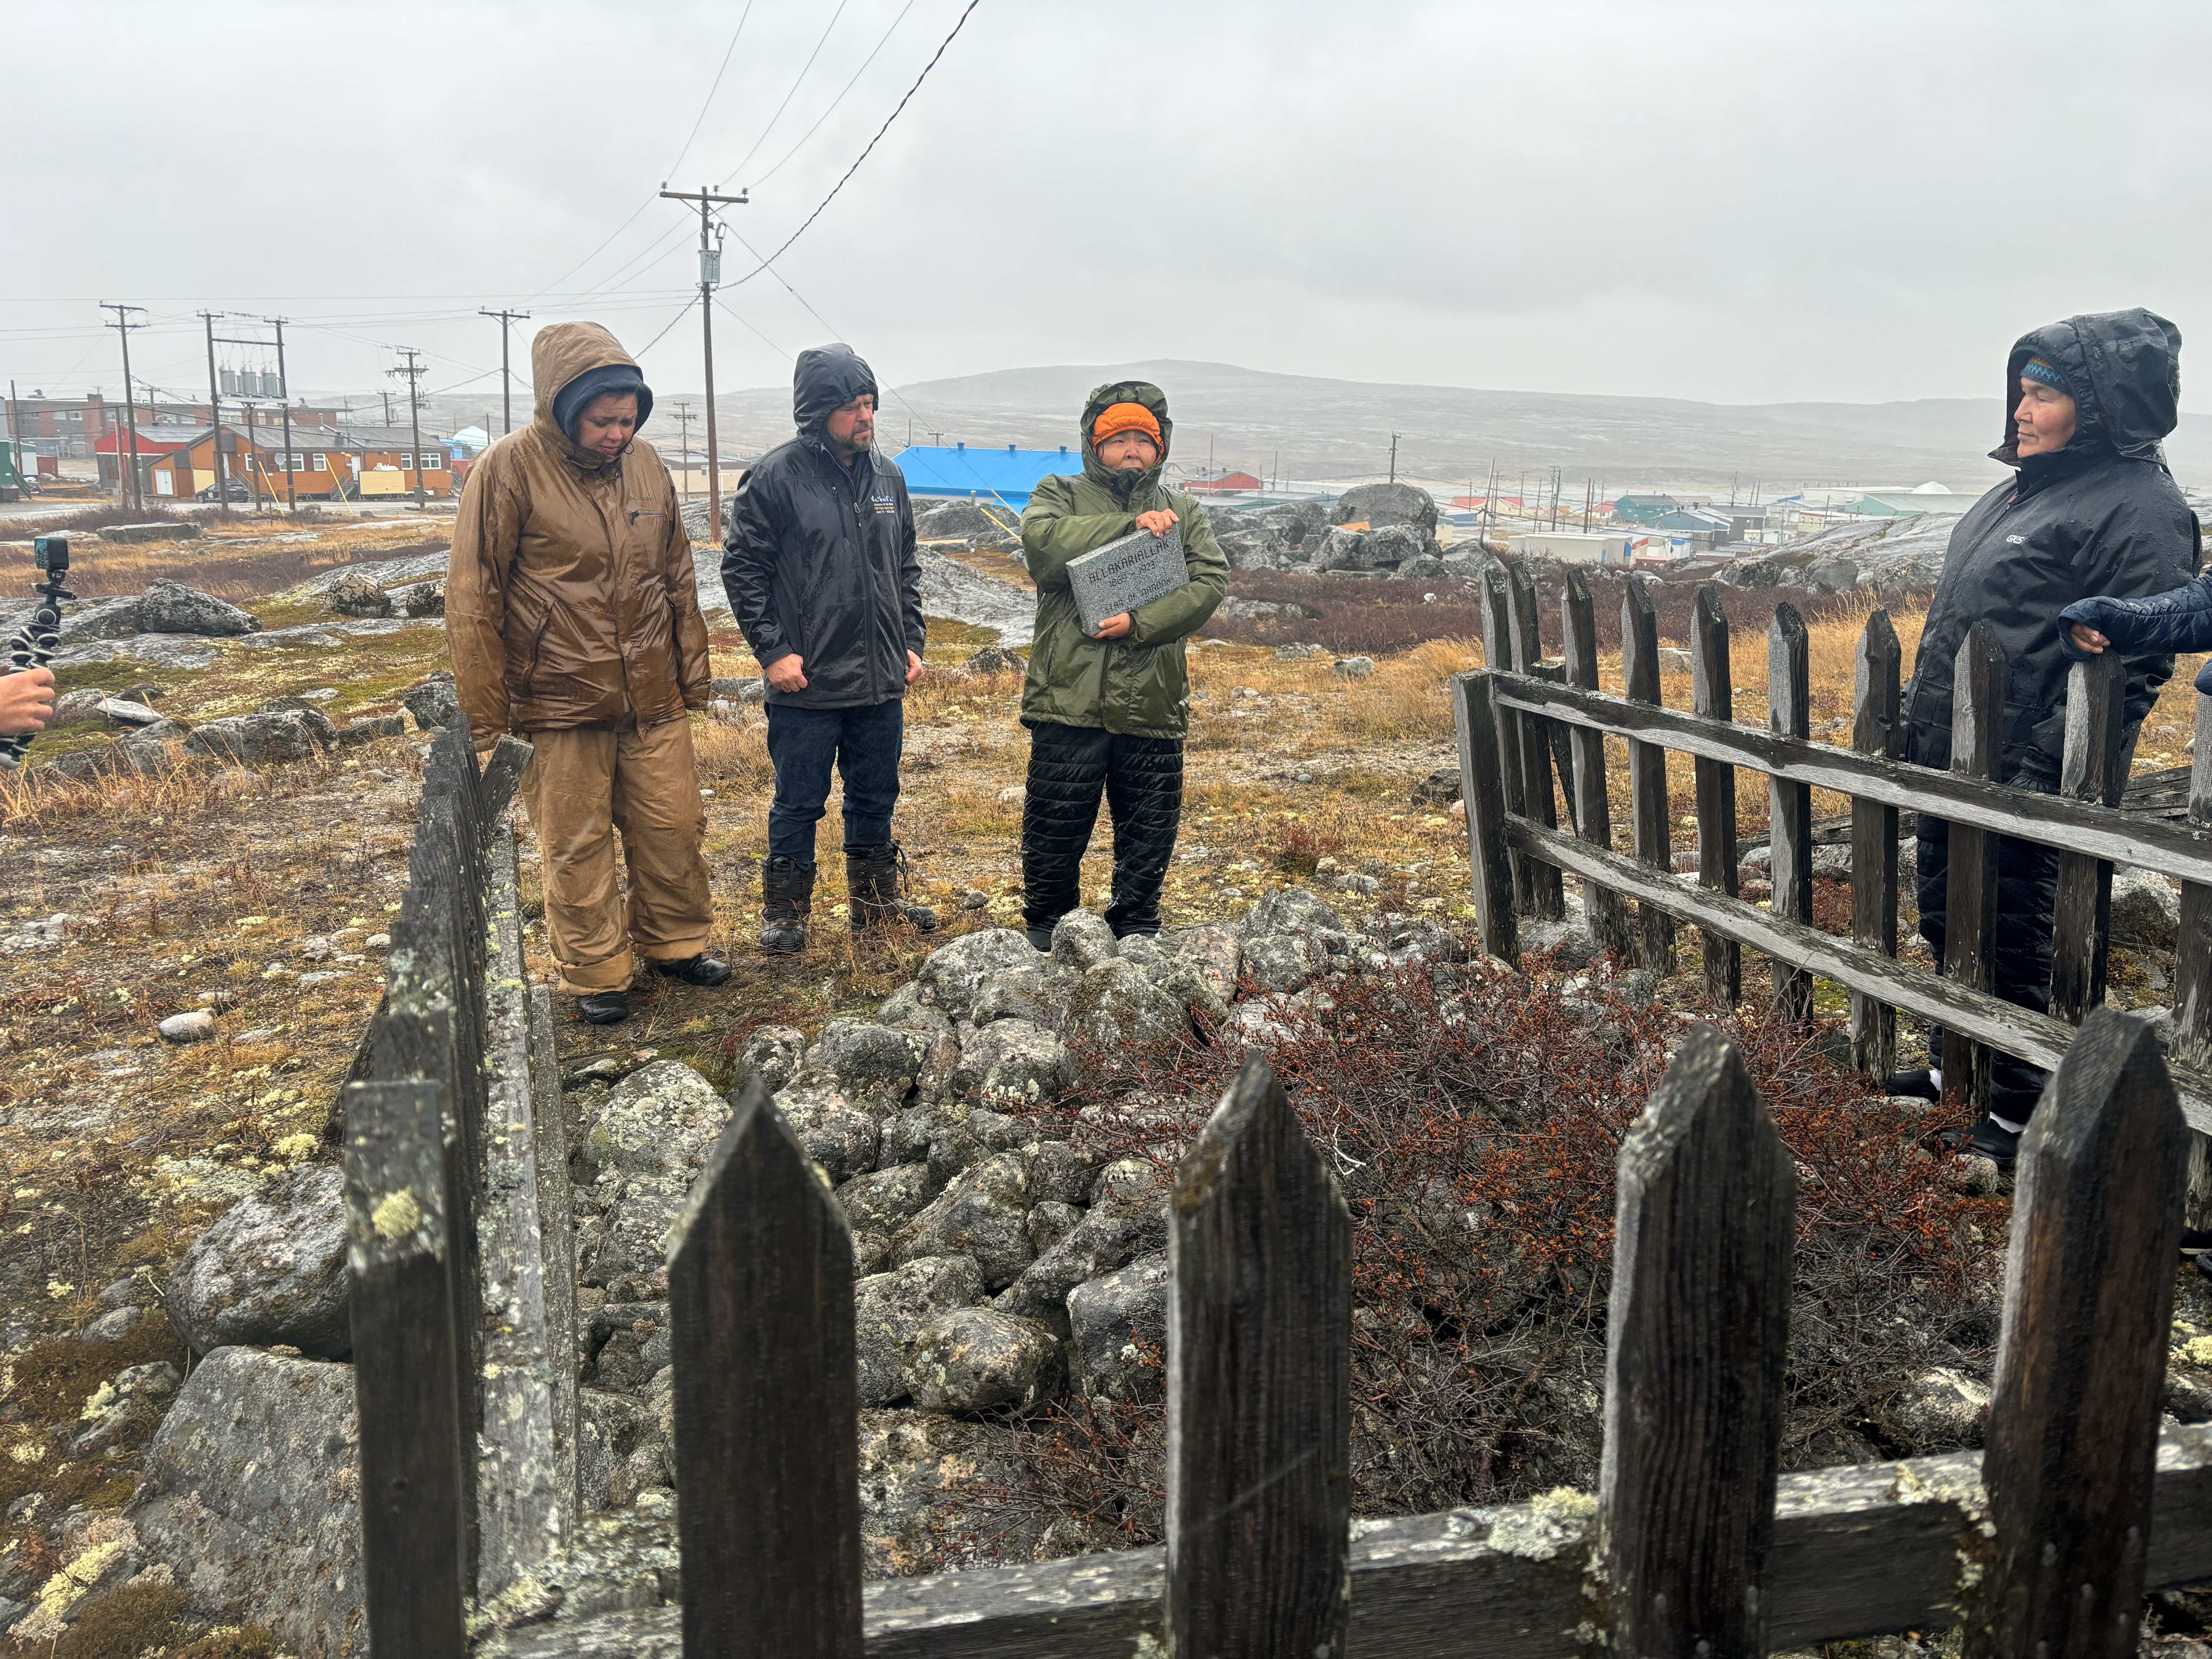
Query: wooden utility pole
pixel 285 407
pixel 1394 457
pixel 506 375
pixel 253 470
pixel 130 495
pixel 16 436
pixel 414 373
pixel 710 273
pixel 214 419
pixel 684 419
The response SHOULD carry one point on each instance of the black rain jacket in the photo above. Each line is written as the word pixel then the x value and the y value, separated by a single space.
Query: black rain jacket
pixel 2102 515
pixel 820 561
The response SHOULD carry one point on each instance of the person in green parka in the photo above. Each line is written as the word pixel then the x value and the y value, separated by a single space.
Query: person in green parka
pixel 1107 713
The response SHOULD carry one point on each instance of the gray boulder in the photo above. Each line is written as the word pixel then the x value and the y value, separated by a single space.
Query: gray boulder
pixel 836 1135
pixel 1941 1409
pixel 1060 1172
pixel 1037 992
pixel 251 1498
pixel 904 1008
pixel 873 1066
pixel 355 595
pixel 1081 940
pixel 80 707
pixel 884 1201
pixel 629 1260
pixel 319 724
pixel 619 1442
pixel 1110 1236
pixel 1353 668
pixel 1117 1005
pixel 421 598
pixel 1109 1317
pixel 434 702
pixel 952 975
pixel 1010 1064
pixel 1378 504
pixel 772 1053
pixel 1211 954
pixel 1049 1223
pixel 662 1119
pixel 983 1214
pixel 169 607
pixel 890 1308
pixel 1291 910
pixel 372 728
pixel 257 737
pixel 973 1359
pixel 630 1342
pixel 133 1397
pixel 1284 962
pixel 272 1270
pixel 2146 910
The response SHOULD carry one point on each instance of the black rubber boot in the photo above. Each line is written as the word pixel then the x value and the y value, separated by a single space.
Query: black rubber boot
pixel 1987 1139
pixel 876 877
pixel 605 1007
pixel 703 970
pixel 1913 1085
pixel 787 900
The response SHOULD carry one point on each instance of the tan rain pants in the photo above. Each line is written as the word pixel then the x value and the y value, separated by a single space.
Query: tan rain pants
pixel 582 785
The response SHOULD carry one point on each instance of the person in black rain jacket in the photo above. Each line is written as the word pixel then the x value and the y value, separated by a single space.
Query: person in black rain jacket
pixel 2090 510
pixel 820 567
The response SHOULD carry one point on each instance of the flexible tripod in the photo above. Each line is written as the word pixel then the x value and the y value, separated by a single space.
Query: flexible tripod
pixel 35 642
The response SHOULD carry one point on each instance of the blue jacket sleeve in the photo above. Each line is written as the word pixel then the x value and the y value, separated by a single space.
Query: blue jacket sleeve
pixel 2179 619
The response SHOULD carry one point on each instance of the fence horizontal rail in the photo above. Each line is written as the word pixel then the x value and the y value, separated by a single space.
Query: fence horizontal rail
pixel 2037 1038
pixel 2102 832
pixel 1859 1549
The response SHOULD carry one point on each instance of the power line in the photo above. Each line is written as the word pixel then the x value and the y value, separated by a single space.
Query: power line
pixel 869 151
pixel 788 96
pixel 708 104
pixel 838 99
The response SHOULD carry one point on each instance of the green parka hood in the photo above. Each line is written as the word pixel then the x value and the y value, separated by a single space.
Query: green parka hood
pixel 1145 395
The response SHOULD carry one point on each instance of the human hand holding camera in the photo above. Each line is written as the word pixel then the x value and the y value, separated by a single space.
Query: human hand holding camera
pixel 27 701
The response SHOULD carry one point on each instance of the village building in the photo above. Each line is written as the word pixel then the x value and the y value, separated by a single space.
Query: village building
pixel 1007 474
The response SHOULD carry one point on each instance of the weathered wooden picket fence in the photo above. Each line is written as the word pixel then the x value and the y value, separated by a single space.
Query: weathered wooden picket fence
pixel 1511 714
pixel 1695 1542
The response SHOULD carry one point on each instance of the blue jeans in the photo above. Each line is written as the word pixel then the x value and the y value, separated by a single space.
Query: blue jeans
pixel 865 744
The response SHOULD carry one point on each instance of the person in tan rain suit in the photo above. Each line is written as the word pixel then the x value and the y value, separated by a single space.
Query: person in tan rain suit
pixel 573 615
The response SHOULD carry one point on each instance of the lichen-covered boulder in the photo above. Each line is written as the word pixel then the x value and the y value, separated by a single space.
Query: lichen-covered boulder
pixel 271 1271
pixel 974 1359
pixel 1109 1236
pixel 170 607
pixel 1050 1222
pixel 1283 962
pixel 873 1066
pixel 890 1309
pixel 1081 940
pixel 1012 1065
pixel 949 979
pixel 1290 910
pixel 984 1214
pixel 1117 1007
pixel 1060 1172
pixel 251 1498
pixel 2146 910
pixel 662 1119
pixel 354 595
pixel 884 1200
pixel 284 736
pixel 1036 991
pixel 630 1259
pixel 773 1055
pixel 1211 955
pixel 1114 1319
pixel 836 1135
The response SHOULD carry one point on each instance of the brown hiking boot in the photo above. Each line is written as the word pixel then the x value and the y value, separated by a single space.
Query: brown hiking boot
pixel 787 900
pixel 878 878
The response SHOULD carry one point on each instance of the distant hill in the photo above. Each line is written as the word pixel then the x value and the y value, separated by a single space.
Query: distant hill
pixel 1324 429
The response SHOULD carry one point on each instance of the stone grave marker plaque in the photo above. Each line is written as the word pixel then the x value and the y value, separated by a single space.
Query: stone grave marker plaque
pixel 1128 571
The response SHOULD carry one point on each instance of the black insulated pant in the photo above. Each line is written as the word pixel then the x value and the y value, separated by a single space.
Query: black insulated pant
pixel 1070 766
pixel 2028 907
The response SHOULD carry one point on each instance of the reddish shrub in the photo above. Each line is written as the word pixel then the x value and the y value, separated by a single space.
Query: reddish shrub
pixel 1474 1129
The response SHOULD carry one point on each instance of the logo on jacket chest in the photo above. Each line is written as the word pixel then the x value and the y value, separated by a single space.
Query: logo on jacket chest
pixel 884 502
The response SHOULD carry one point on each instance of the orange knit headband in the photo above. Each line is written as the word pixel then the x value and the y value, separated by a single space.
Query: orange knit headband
pixel 1125 417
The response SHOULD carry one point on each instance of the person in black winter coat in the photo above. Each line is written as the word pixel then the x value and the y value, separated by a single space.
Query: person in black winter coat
pixel 2091 510
pixel 819 564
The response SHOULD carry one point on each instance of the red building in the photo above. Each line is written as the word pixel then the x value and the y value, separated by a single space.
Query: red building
pixel 1228 483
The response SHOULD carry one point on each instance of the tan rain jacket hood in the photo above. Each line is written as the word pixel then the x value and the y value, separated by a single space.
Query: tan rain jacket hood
pixel 572 598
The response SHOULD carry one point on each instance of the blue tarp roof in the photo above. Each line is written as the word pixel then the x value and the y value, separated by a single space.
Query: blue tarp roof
pixel 1007 474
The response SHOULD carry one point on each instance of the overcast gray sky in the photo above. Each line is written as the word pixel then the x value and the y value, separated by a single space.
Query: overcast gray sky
pixel 1733 202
